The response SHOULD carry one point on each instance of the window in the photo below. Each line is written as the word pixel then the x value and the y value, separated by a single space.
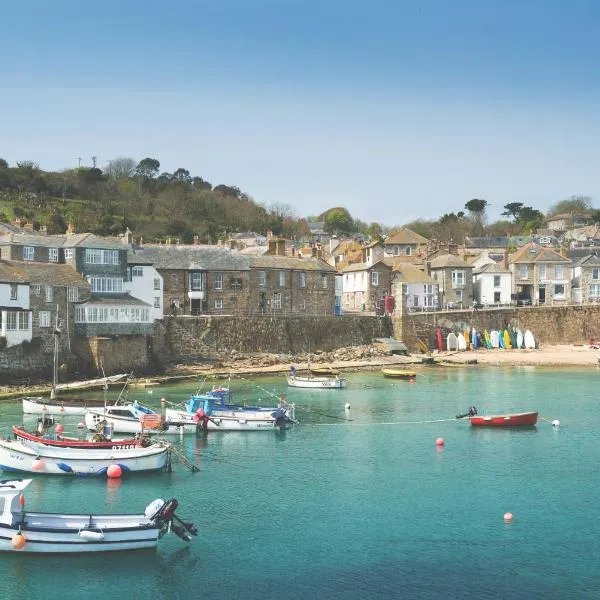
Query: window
pixel 137 271
pixel 44 318
pixel 396 251
pixel 218 281
pixel 261 278
pixel 23 319
pixel 276 301
pixel 53 254
pixel 281 278
pixel 594 290
pixel 407 251
pixel 197 281
pixel 13 291
pixel 458 278
pixel 219 303
pixel 36 289
pixel 28 253
pixel 49 293
pixel 68 253
pixel 156 301
pixel 95 256
pixel 106 285
pixel 156 283
pixel 302 279
pixel 324 281
pixel 496 280
pixel 428 288
pixel 374 278
pixel 235 283
pixel 497 297
pixel 73 294
pixel 302 304
pixel 11 320
pixel 459 295
pixel 595 273
pixel 542 271
pixel 523 271
pixel 559 272
pixel 559 291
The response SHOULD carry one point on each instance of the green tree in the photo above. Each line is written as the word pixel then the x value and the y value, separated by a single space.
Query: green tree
pixel 121 167
pixel 147 168
pixel 574 205
pixel 513 209
pixel 338 220
pixel 3 164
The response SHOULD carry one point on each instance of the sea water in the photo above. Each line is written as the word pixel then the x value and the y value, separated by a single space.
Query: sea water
pixel 357 503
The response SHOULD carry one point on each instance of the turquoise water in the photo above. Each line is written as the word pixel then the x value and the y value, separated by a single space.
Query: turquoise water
pixel 360 508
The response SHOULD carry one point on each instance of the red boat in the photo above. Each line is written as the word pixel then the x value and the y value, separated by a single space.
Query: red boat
pixel 67 442
pixel 525 419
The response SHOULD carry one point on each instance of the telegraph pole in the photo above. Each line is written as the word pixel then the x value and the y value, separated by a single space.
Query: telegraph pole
pixel 79 159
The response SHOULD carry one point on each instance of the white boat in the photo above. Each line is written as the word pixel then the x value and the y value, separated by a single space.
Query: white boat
pixel 321 383
pixel 134 418
pixel 36 405
pixel 211 412
pixel 29 457
pixel 25 531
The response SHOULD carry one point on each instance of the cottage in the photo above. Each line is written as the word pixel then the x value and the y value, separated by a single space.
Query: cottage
pixel 365 285
pixel 413 288
pixel 407 244
pixel 492 284
pixel 455 279
pixel 586 279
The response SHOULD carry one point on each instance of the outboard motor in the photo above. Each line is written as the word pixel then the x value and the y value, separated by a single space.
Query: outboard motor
pixel 281 418
pixel 471 413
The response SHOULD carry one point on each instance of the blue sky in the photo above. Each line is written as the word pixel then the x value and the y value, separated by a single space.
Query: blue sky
pixel 395 110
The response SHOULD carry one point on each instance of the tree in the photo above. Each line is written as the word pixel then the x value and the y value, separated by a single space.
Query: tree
pixel 227 190
pixel 338 220
pixel 530 219
pixel 513 209
pixel 147 168
pixel 476 208
pixel 3 164
pixel 574 205
pixel 181 176
pixel 121 167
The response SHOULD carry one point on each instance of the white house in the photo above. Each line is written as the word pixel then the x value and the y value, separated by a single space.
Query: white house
pixel 14 307
pixel 492 284
pixel 145 283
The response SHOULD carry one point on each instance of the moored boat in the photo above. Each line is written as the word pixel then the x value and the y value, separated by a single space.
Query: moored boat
pixel 27 531
pixel 524 419
pixel 28 457
pixel 37 405
pixel 398 373
pixel 318 383
pixel 324 370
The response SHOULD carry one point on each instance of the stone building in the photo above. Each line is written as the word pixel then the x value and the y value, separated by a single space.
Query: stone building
pixel 586 280
pixel 455 279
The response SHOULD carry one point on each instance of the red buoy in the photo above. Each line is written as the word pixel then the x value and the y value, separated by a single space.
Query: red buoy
pixel 114 471
pixel 439 442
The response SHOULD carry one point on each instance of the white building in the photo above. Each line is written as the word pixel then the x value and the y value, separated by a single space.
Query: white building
pixel 492 284
pixel 145 283
pixel 14 307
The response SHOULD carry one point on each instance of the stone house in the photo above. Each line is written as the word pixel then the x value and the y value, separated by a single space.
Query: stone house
pixel 413 289
pixel 492 284
pixel 560 223
pixel 405 243
pixel 455 279
pixel 365 285
pixel 586 280
pixel 540 276
pixel 198 279
pixel 284 285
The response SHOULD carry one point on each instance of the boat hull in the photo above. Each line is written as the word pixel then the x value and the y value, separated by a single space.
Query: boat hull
pixel 21 434
pixel 25 457
pixel 40 406
pixel 398 374
pixel 527 419
pixel 129 425
pixel 228 420
pixel 317 383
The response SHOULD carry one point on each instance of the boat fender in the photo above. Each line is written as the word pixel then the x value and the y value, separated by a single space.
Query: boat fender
pixel 64 467
pixel 153 508
pixel 124 468
pixel 91 536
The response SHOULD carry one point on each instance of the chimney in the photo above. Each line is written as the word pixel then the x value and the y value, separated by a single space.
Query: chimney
pixel 293 250
pixel 127 237
pixel 506 258
pixel 17 221
pixel 280 244
pixel 272 247
pixel 197 240
pixel 427 265
pixel 269 235
pixel 29 226
pixel 70 229
pixel 141 242
pixel 43 230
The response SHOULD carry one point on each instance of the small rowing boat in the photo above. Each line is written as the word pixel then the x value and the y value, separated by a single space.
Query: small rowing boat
pixel 324 370
pixel 398 373
pixel 524 419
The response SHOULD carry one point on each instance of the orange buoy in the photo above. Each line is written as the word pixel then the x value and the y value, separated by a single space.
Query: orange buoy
pixel 18 541
pixel 59 428
pixel 114 471
pixel 439 442
pixel 37 464
pixel 508 517
pixel 22 500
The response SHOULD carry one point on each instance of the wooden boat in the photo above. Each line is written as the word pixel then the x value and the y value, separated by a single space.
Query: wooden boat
pixel 72 406
pixel 29 457
pixel 318 383
pixel 325 370
pixel 27 531
pixel 398 373
pixel 524 419
pixel 211 412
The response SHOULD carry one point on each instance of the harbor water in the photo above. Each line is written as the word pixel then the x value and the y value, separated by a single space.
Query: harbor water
pixel 356 503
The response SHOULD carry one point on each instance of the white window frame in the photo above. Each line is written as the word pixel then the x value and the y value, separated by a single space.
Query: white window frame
pixel 106 285
pixel 458 295
pixel 44 318
pixel 302 279
pixel 324 283
pixel 28 253
pixel 156 301
pixel 68 253
pixel 218 281
pixel 595 274
pixel 157 283
pixel 14 291
pixel 407 251
pixel 23 320
pixel 459 277
pixel 72 294
pixel 523 272
pixel 374 278
pixel 137 271
pixel 98 256
pixel 11 320
pixel 499 280
pixel 261 278
pixel 594 290
pixel 542 271
pixel 559 295
pixel 196 281
pixel 559 272
pixel 218 303
pixel 276 301
pixel 281 278
pixel 53 255
pixel 49 294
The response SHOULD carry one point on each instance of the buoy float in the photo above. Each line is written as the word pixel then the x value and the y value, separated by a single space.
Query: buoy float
pixel 411 380
pixel 59 428
pixel 81 425
pixel 37 464
pixel 114 471
pixel 22 501
pixel 18 541
pixel 347 406
pixel 508 517
pixel 556 423
pixel 439 442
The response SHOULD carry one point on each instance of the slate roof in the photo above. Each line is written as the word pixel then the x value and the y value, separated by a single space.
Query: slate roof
pixel 8 274
pixel 591 260
pixel 448 260
pixel 190 258
pixel 363 266
pixel 83 240
pixel 533 253
pixel 495 268
pixel 405 236
pixel 410 274
pixel 285 262
pixel 47 273
pixel 119 299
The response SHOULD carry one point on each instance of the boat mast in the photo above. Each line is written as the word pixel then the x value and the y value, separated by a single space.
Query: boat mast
pixel 55 361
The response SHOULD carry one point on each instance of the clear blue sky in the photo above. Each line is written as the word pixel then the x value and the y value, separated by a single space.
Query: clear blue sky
pixel 394 109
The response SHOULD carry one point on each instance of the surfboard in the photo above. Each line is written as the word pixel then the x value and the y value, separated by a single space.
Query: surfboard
pixel 474 338
pixel 451 342
pixel 519 339
pixel 422 346
pixel 501 339
pixel 506 339
pixel 467 339
pixel 438 336
pixel 488 340
pixel 461 342
pixel 494 338
pixel 513 336
pixel 529 340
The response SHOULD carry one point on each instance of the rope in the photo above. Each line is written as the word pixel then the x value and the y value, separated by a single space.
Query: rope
pixel 316 412
pixel 389 423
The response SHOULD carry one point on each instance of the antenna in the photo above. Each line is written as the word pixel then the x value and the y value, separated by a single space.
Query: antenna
pixel 94 161
pixel 79 159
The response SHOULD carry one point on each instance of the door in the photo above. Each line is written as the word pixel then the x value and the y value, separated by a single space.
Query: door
pixel 542 295
pixel 262 303
pixel 196 306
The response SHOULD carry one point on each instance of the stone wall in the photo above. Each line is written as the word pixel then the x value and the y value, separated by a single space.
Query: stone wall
pixel 111 355
pixel 550 325
pixel 196 338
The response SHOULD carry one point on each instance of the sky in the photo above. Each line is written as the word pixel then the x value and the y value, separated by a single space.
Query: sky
pixel 397 110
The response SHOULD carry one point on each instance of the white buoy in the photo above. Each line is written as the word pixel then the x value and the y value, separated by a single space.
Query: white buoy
pixel 556 423
pixel 347 406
